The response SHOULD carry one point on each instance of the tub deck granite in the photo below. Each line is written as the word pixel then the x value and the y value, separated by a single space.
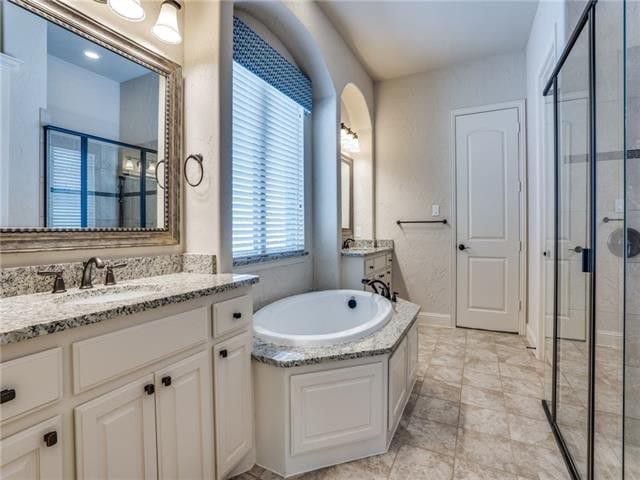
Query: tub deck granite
pixel 381 342
pixel 28 316
pixel 364 251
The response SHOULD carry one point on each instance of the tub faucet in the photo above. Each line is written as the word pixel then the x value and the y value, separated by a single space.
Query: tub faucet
pixel 87 269
pixel 385 291
pixel 348 242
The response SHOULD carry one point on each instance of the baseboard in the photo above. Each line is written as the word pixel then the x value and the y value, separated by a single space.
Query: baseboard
pixel 437 319
pixel 605 338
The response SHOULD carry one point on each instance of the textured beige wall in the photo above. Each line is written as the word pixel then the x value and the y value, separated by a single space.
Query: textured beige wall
pixel 413 166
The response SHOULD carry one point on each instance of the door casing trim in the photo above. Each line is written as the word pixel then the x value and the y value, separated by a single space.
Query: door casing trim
pixel 520 105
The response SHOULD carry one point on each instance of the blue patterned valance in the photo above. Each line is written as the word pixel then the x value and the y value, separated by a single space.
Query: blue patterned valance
pixel 261 59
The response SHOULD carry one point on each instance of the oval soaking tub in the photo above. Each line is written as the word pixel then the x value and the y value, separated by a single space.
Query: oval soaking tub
pixel 322 318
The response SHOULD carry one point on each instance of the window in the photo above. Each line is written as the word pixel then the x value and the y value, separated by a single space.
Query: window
pixel 268 169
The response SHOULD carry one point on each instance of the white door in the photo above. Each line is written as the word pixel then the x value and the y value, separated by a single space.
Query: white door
pixel 184 419
pixel 488 219
pixel 29 455
pixel 116 434
pixel 233 401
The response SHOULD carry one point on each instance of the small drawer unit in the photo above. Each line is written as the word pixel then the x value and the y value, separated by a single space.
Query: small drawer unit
pixel 232 315
pixel 373 266
pixel 29 383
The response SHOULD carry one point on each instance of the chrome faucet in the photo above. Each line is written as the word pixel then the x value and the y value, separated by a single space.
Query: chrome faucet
pixel 87 270
pixel 385 291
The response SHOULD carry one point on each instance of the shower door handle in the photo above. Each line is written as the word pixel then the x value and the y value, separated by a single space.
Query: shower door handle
pixel 587 260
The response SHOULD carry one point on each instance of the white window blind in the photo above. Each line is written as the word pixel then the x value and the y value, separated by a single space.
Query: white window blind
pixel 63 169
pixel 268 169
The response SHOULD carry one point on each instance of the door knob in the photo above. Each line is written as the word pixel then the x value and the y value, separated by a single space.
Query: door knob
pixel 577 249
pixel 462 247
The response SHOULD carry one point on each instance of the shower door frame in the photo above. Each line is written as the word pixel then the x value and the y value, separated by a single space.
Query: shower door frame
pixel 586 21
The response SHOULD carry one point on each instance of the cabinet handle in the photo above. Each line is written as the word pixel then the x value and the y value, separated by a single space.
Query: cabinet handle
pixel 370 267
pixel 237 315
pixel 149 389
pixel 50 438
pixel 224 353
pixel 7 395
pixel 166 381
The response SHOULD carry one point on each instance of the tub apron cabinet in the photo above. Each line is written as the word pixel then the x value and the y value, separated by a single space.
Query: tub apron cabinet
pixel 162 394
pixel 315 415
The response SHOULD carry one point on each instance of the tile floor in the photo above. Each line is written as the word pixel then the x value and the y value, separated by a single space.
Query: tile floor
pixel 474 413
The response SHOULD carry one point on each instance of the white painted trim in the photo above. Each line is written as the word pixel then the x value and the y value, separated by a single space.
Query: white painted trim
pixel 539 296
pixel 520 105
pixel 438 319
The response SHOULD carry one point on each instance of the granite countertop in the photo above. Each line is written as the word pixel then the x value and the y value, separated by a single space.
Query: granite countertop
pixel 28 316
pixel 363 252
pixel 380 342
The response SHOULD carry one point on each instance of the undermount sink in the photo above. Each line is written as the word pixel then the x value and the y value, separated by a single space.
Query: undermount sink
pixel 116 293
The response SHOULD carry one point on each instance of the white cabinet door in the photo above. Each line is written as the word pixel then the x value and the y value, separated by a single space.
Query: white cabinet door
pixel 116 434
pixel 336 407
pixel 397 383
pixel 412 354
pixel 233 401
pixel 26 456
pixel 184 419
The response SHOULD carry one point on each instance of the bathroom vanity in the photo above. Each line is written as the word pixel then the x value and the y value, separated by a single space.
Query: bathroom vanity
pixel 373 263
pixel 147 379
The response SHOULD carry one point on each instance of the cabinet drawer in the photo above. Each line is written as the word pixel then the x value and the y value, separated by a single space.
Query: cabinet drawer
pixel 30 382
pixel 369 265
pixel 389 259
pixel 380 262
pixel 102 358
pixel 232 315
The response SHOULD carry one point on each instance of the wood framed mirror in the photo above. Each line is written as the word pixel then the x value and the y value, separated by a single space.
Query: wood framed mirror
pixel 91 135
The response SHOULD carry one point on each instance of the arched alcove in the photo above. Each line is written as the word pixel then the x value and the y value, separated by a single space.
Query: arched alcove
pixel 355 114
pixel 323 197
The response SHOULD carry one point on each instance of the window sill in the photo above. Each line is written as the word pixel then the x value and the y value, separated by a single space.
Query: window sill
pixel 264 259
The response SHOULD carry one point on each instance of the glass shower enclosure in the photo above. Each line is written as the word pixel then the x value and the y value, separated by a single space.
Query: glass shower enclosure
pixel 592 379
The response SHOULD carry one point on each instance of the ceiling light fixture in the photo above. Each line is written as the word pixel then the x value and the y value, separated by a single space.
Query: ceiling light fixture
pixel 166 27
pixel 91 55
pixel 128 9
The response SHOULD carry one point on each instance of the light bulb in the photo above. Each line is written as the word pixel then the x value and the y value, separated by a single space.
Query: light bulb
pixel 166 27
pixel 128 9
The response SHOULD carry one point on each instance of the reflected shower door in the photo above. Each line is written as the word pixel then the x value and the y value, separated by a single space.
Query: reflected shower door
pixel 572 262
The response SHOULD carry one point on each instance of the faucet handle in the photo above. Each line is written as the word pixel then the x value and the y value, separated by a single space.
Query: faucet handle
pixel 58 281
pixel 110 278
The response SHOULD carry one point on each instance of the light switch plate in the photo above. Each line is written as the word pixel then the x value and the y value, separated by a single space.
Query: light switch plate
pixel 619 208
pixel 435 210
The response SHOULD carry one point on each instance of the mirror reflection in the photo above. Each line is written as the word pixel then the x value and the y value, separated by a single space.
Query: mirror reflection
pixel 80 132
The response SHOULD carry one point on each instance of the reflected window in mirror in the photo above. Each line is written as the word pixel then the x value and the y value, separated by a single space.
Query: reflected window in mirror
pixel 81 134
pixel 346 169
